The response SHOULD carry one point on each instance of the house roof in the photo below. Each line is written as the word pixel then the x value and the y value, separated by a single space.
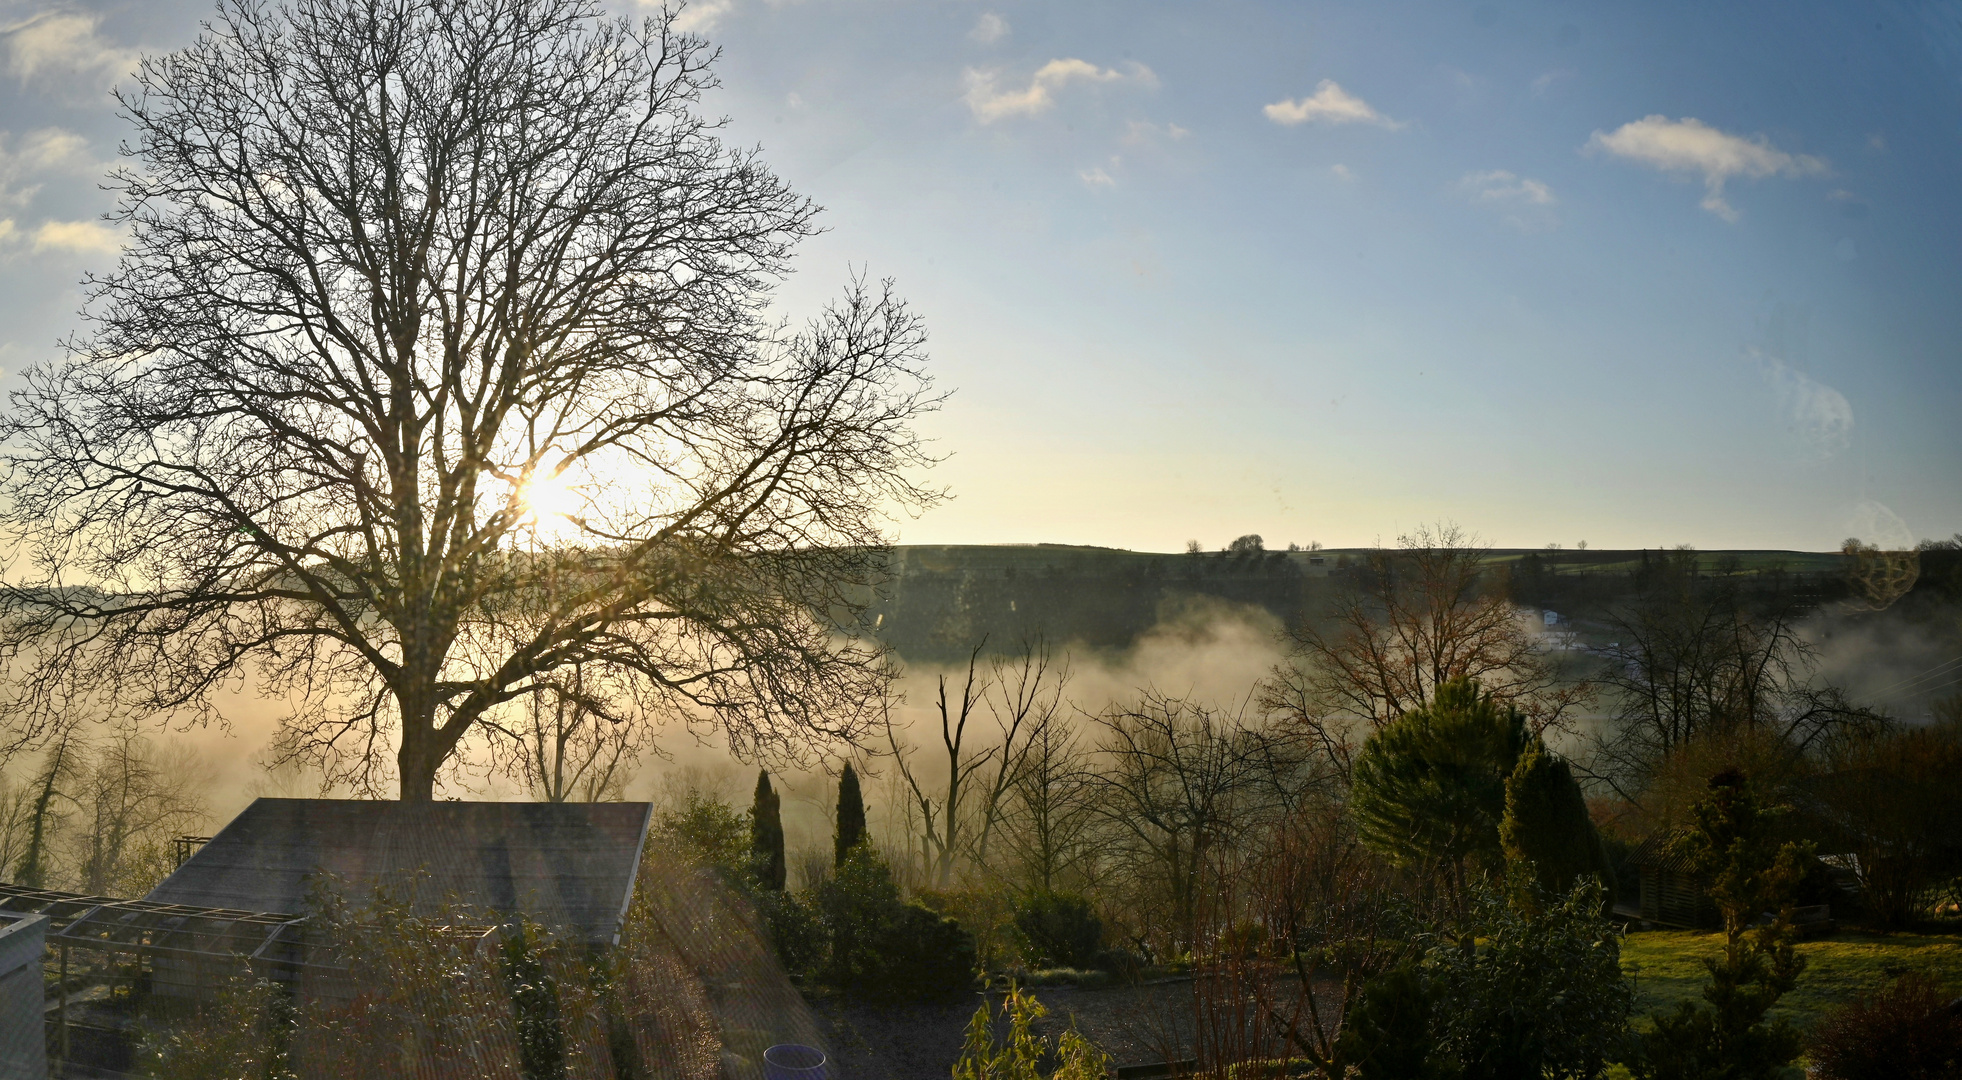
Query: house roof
pixel 568 866
pixel 1661 852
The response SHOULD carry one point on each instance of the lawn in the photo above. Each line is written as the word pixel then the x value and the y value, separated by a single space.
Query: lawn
pixel 1667 968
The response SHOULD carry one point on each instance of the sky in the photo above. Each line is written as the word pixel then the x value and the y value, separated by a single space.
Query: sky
pixel 1634 275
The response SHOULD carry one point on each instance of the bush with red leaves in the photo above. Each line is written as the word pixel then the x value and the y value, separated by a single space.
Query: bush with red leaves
pixel 1911 1030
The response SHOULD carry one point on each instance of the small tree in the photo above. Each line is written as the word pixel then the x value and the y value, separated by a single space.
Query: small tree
pixel 51 786
pixel 1732 845
pixel 985 1056
pixel 1894 802
pixel 1430 787
pixel 1548 838
pixel 851 818
pixel 766 834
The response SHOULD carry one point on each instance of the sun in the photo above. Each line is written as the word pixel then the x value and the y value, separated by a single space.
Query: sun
pixel 550 502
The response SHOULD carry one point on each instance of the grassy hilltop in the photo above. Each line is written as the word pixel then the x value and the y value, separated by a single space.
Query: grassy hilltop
pixel 943 600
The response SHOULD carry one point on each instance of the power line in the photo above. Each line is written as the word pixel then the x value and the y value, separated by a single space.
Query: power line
pixel 1904 685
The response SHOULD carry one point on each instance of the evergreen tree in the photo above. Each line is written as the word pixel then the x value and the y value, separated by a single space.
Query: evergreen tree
pixel 1547 836
pixel 1733 844
pixel 766 834
pixel 1430 787
pixel 851 817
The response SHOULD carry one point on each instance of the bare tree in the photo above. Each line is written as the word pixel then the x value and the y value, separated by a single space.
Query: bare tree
pixel 940 814
pixel 43 811
pixel 1329 908
pixel 1049 817
pixel 565 752
pixel 1416 618
pixel 1023 695
pixel 1179 786
pixel 1697 660
pixel 426 303
pixel 133 798
pixel 1027 703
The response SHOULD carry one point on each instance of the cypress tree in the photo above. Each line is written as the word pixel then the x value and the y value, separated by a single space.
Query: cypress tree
pixel 766 834
pixel 1547 835
pixel 851 816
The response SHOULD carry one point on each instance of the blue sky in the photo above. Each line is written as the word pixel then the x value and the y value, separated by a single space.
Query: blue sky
pixel 1630 274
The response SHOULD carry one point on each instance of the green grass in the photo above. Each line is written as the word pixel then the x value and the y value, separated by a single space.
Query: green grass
pixel 1667 968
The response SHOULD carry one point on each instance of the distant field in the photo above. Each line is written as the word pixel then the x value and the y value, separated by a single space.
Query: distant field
pixel 1667 967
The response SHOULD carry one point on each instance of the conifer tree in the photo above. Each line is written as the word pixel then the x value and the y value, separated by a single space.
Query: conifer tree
pixel 1546 834
pixel 766 834
pixel 851 817
pixel 1429 787
pixel 1733 843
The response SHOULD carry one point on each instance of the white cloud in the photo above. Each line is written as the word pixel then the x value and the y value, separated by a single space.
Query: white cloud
pixel 1331 104
pixel 40 152
pixel 1524 202
pixel 62 45
pixel 1341 172
pixel 1500 186
pixel 1546 80
pixel 1146 133
pixel 83 237
pixel 701 16
pixel 990 103
pixel 1691 146
pixel 989 28
pixel 1096 178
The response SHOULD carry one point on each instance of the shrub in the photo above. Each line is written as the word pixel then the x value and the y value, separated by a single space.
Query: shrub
pixel 1546 834
pixel 853 907
pixel 1907 1031
pixel 1388 1034
pixel 1542 994
pixel 1124 965
pixel 880 948
pixel 923 956
pixel 705 831
pixel 796 933
pixel 1059 927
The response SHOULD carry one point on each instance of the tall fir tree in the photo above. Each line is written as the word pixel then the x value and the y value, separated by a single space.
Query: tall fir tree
pixel 851 817
pixel 766 834
pixel 1546 834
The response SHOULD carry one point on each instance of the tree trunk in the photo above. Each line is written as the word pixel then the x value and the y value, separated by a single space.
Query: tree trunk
pixel 419 757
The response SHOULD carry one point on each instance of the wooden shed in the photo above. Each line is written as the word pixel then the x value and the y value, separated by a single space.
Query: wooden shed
pixel 1671 894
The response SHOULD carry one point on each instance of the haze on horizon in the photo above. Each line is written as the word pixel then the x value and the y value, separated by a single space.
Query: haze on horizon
pixel 1558 272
